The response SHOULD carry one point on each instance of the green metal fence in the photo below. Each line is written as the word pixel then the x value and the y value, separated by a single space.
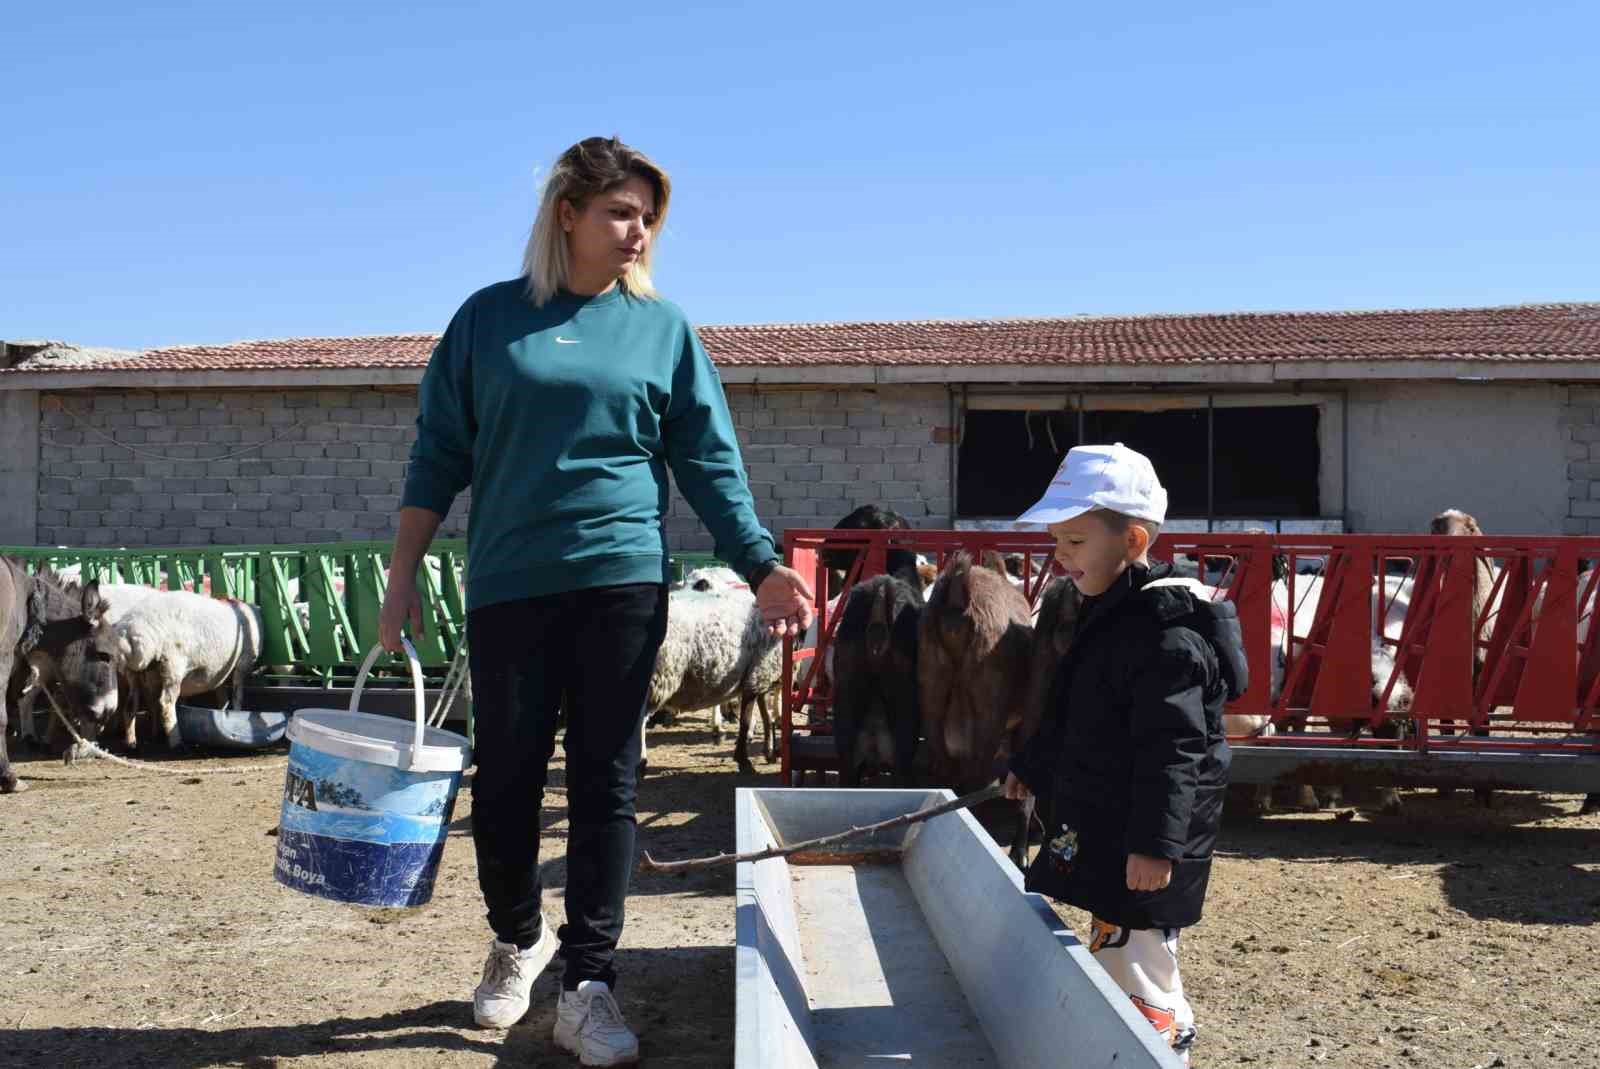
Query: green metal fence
pixel 319 603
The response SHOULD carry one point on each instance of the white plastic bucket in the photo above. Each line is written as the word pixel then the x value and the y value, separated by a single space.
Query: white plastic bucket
pixel 367 801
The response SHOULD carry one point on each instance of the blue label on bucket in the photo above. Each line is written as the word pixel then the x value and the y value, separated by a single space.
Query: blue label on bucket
pixel 367 874
pixel 359 832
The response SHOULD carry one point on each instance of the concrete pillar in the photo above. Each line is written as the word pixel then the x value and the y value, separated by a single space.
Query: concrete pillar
pixel 19 467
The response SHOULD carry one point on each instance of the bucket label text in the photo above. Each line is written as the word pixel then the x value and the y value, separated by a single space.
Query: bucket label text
pixel 300 791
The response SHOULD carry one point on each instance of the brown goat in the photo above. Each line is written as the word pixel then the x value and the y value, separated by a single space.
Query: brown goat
pixel 974 668
pixel 1060 608
pixel 1053 631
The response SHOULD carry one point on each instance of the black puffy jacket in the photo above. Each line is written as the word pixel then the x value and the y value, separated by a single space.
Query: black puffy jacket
pixel 1131 757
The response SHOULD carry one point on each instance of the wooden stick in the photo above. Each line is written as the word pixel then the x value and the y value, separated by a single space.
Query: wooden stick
pixel 994 790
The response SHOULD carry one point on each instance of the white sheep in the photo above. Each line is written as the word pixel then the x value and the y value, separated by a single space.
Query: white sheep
pixel 717 649
pixel 1394 594
pixel 174 644
pixel 706 580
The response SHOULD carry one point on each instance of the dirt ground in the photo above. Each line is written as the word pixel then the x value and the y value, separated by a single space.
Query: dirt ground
pixel 142 927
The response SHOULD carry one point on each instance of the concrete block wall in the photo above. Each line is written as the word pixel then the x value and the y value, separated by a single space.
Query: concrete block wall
pixel 224 467
pixel 1580 424
pixel 814 455
pixel 1492 449
pixel 19 466
pixel 234 467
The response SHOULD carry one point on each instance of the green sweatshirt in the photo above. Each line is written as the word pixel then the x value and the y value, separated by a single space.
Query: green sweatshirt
pixel 564 420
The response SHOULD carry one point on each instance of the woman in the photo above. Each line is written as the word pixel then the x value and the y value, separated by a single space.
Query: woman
pixel 563 397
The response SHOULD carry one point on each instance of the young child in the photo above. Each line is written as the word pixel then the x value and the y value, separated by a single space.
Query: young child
pixel 1130 763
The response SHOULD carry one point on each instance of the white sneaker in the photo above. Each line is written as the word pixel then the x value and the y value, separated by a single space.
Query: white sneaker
pixel 501 998
pixel 590 1025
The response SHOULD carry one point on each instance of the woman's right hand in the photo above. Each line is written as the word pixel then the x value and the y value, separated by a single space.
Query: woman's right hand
pixel 401 603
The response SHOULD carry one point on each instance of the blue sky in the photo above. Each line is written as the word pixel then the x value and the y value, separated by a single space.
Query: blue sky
pixel 206 172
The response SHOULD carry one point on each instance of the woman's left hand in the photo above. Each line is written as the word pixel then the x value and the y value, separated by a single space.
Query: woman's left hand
pixel 785 602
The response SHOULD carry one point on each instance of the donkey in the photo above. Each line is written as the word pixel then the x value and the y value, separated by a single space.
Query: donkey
pixel 54 636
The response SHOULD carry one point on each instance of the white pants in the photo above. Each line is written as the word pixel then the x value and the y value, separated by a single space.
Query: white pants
pixel 1144 963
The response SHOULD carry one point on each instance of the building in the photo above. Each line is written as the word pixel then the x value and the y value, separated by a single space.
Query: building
pixel 1359 421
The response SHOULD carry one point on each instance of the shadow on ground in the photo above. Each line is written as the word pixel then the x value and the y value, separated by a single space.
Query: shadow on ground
pixel 1506 862
pixel 649 978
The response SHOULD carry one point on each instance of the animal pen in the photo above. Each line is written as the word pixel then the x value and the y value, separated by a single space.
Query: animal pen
pixel 319 608
pixel 1503 697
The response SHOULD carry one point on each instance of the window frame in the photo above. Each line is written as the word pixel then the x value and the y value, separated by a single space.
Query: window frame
pixel 1332 405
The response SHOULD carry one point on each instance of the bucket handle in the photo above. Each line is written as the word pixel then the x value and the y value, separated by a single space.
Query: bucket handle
pixel 416 690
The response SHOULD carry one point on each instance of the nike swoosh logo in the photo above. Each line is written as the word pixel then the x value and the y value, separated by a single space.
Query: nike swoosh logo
pixel 567 341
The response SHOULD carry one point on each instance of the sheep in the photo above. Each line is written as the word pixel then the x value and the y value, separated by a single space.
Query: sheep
pixel 974 667
pixel 707 579
pixel 173 644
pixel 716 577
pixel 717 649
pixel 1393 594
pixel 875 707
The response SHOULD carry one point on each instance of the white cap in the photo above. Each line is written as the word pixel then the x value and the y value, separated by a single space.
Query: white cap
pixel 1110 477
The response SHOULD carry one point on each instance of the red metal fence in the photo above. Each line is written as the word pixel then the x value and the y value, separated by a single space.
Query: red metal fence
pixel 1489 636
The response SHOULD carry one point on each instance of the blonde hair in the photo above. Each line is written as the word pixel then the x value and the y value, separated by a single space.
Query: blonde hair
pixel 593 166
pixel 1119 522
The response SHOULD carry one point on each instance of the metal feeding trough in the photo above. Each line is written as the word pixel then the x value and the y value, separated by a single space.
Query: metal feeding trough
pixel 915 946
pixel 230 729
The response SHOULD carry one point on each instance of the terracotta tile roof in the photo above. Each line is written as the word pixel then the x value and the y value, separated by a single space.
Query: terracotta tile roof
pixel 1543 333
pixel 382 350
pixel 284 354
pixel 1528 332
